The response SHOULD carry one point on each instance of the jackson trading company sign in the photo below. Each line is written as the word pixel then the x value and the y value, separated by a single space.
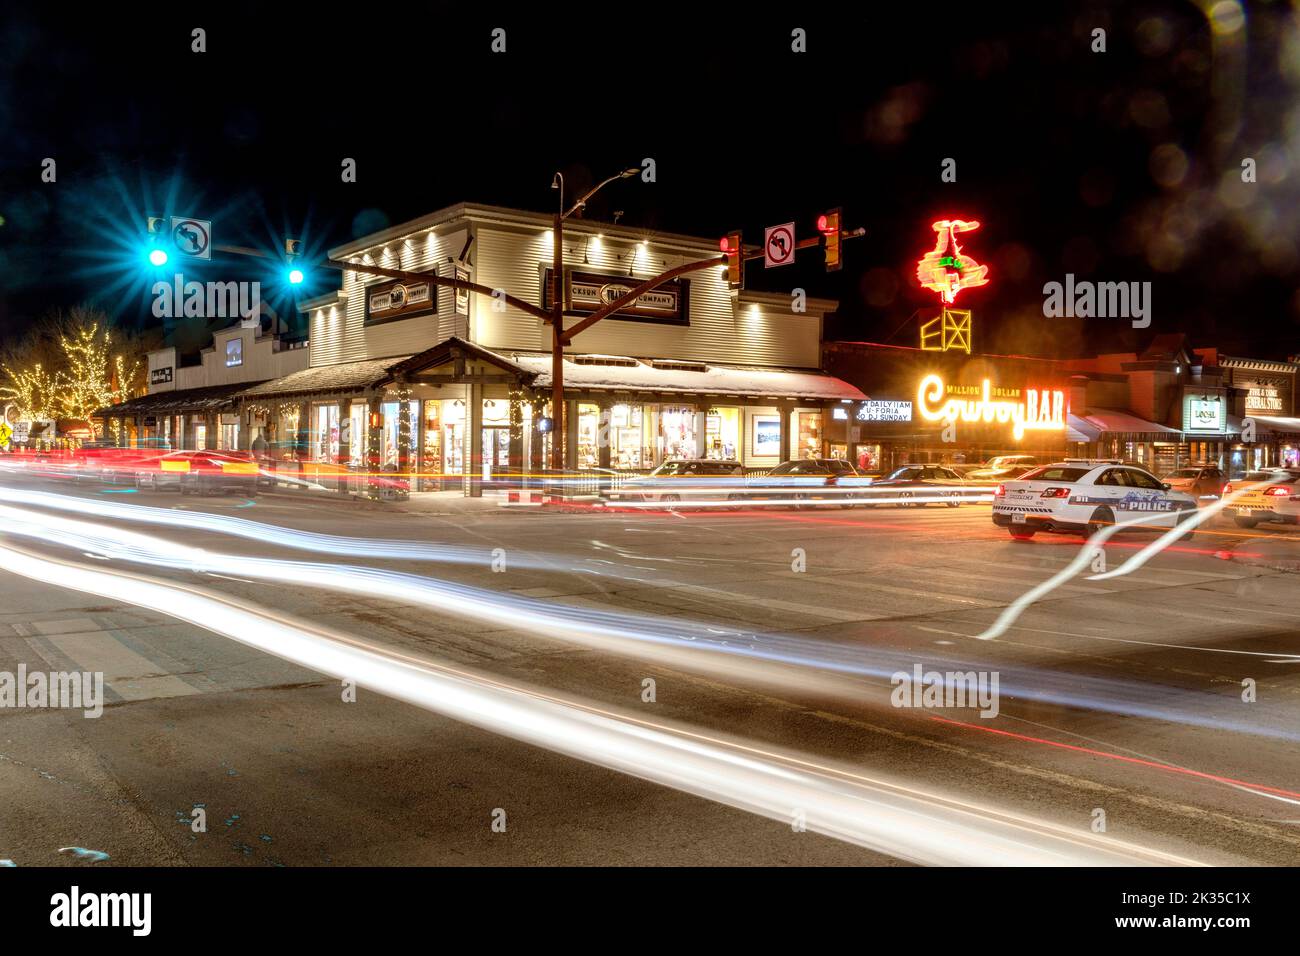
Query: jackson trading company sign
pixel 400 300
pixel 1027 409
pixel 586 292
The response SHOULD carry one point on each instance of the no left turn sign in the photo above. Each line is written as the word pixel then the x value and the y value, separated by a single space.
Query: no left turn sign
pixel 192 237
pixel 778 245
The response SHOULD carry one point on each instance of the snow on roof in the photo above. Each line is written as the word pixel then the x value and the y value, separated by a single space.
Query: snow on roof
pixel 711 380
pixel 326 378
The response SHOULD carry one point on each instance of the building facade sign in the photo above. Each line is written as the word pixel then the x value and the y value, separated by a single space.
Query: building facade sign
pixel 1267 396
pixel 877 410
pixel 587 292
pixel 399 300
pixel 160 376
pixel 1204 415
pixel 1024 409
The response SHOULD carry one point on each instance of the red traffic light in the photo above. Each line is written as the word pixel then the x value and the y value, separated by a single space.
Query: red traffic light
pixel 828 224
pixel 733 247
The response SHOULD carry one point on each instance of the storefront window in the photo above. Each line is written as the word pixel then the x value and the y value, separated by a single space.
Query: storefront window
pixel 722 433
pixel 431 463
pixel 677 433
pixel 869 458
pixel 228 438
pixel 588 435
pixel 453 437
pixel 626 445
pixel 390 435
pixel 809 430
pixel 357 434
pixel 325 433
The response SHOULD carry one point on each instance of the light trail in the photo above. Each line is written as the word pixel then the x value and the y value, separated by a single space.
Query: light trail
pixel 1086 554
pixel 837 802
pixel 724 652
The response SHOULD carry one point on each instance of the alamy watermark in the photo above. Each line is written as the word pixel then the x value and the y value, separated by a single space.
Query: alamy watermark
pixel 71 690
pixel 206 300
pixel 1098 300
pixel 940 689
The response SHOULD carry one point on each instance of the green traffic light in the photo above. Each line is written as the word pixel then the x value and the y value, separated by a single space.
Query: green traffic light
pixel 295 277
pixel 158 257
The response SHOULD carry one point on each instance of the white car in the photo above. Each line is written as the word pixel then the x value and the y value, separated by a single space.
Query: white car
pixel 1270 495
pixel 1086 495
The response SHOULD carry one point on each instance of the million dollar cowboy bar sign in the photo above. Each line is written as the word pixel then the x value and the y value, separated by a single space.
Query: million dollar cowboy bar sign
pixel 1024 409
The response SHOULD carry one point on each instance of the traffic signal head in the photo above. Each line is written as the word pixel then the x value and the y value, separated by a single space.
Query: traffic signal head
pixel 828 224
pixel 734 250
pixel 295 277
pixel 157 257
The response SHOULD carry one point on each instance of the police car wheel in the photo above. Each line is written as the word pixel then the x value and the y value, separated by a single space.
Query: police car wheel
pixel 1022 534
pixel 1185 518
pixel 1101 518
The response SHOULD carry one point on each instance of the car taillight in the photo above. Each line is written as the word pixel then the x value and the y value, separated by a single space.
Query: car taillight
pixel 1278 491
pixel 1001 492
pixel 1227 489
pixel 1056 493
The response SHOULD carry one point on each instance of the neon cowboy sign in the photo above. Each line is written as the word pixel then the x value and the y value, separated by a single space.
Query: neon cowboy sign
pixel 1038 409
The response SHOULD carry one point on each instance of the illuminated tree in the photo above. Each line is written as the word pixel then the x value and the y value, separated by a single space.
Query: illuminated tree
pixel 33 390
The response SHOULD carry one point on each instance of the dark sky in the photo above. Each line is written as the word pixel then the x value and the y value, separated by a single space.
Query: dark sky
pixel 1115 166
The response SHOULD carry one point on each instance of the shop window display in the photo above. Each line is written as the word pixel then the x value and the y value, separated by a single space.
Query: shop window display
pixel 810 434
pixel 677 432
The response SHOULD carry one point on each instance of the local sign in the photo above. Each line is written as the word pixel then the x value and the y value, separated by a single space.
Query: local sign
pixel 1205 415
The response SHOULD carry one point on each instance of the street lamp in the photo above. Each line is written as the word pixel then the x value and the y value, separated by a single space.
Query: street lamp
pixel 558 338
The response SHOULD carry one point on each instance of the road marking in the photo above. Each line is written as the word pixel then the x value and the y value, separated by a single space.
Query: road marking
pixel 130 675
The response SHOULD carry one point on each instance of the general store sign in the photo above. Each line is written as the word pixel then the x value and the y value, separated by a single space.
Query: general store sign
pixel 1027 409
pixel 587 292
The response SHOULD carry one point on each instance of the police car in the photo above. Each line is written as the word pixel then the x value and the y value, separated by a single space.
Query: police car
pixel 1086 495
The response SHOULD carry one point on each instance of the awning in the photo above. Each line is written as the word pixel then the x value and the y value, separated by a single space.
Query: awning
pixel 211 398
pixel 1076 429
pixel 1122 423
pixel 324 379
pixel 1279 425
pixel 623 374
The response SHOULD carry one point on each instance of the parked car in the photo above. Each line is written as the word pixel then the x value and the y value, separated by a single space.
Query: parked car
pixel 1272 494
pixel 1003 468
pixel 807 479
pixel 920 485
pixel 684 479
pixel 1203 482
pixel 202 472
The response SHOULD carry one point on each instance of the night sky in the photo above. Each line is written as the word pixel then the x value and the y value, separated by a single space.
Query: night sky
pixel 1115 166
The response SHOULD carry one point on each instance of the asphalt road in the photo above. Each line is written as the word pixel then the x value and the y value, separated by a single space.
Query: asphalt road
pixel 1120 700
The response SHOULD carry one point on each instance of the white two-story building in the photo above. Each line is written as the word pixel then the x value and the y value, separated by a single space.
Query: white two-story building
pixel 452 385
